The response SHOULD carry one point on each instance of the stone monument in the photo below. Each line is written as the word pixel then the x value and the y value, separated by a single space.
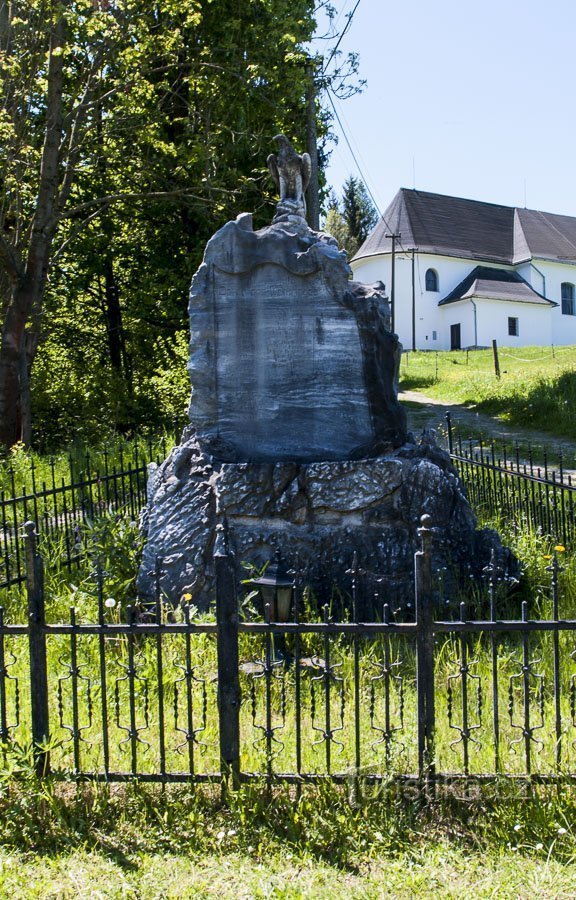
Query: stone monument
pixel 296 436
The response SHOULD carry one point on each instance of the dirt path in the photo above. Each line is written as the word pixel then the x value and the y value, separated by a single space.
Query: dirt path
pixel 427 412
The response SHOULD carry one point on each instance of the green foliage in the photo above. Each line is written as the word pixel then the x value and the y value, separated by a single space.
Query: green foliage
pixel 168 115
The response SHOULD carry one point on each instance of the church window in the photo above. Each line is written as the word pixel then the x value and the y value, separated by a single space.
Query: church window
pixel 431 280
pixel 567 293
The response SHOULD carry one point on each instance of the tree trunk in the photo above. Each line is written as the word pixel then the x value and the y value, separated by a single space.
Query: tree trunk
pixel 114 323
pixel 12 365
pixel 17 349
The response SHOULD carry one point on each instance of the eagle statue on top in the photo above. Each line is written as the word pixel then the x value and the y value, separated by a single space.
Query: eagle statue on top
pixel 290 172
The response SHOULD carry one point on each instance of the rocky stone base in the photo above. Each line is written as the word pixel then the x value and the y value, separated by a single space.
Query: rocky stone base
pixel 317 515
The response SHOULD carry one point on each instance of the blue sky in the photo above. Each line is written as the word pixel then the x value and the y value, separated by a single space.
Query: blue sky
pixel 476 100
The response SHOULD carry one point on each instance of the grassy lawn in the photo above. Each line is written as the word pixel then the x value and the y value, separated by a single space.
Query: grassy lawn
pixel 537 387
pixel 140 843
pixel 443 871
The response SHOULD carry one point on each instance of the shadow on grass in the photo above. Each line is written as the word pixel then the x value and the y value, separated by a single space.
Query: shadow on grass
pixel 323 822
pixel 416 382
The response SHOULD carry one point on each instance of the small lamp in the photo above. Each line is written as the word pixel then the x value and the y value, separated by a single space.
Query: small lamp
pixel 276 587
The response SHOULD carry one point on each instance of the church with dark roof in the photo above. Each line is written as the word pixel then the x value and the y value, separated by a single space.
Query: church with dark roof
pixel 462 273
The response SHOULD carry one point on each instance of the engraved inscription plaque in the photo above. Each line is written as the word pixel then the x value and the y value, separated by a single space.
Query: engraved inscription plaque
pixel 289 375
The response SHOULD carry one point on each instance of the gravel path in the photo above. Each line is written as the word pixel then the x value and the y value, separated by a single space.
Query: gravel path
pixel 427 412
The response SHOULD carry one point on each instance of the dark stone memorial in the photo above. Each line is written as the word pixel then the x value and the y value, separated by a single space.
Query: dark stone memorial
pixel 286 351
pixel 296 436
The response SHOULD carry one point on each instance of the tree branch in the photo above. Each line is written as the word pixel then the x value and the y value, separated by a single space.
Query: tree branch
pixel 142 195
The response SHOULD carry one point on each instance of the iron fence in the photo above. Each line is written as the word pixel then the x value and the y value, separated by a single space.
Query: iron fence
pixel 500 482
pixel 62 497
pixel 506 483
pixel 166 695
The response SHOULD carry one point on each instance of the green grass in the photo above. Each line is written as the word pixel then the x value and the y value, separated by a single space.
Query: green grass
pixel 63 840
pixel 537 387
pixel 140 842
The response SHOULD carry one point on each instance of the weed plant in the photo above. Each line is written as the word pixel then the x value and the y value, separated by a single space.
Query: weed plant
pixel 23 468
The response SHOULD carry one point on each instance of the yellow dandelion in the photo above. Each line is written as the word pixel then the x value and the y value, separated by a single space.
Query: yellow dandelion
pixel 560 549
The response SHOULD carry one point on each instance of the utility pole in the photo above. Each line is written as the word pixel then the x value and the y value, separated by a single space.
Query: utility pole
pixel 312 198
pixel 413 299
pixel 393 238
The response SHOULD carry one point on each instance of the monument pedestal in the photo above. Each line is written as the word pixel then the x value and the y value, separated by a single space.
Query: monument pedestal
pixel 317 514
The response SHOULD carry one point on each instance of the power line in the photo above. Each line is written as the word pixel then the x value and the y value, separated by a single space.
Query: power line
pixel 361 173
pixel 345 136
pixel 341 13
pixel 344 31
pixel 329 92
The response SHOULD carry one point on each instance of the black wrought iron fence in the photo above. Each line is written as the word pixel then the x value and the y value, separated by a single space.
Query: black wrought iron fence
pixel 507 483
pixel 165 695
pixel 500 482
pixel 64 495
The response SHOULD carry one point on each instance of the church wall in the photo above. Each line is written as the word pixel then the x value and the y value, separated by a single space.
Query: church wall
pixel 432 322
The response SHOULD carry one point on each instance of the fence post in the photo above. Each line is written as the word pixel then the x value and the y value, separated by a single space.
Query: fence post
pixel 37 650
pixel 227 644
pixel 449 433
pixel 425 651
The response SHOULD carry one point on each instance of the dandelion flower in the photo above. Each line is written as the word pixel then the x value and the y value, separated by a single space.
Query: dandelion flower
pixel 560 549
pixel 539 846
pixel 110 603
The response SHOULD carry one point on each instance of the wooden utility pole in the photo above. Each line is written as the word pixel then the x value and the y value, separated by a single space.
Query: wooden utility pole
pixel 413 300
pixel 393 238
pixel 312 194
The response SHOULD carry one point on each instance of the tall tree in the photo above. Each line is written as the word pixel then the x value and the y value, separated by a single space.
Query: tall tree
pixel 350 219
pixel 129 131
pixel 357 210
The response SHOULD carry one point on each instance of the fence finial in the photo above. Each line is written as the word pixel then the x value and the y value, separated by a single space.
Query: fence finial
pixel 425 531
pixel 221 542
pixel 30 529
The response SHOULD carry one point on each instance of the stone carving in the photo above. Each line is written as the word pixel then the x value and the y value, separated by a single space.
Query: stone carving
pixel 290 172
pixel 297 438
pixel 289 359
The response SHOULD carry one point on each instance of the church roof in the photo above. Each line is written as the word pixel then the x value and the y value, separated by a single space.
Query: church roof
pixel 495 284
pixel 453 226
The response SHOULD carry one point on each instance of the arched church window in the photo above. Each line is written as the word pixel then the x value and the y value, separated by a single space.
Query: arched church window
pixel 431 280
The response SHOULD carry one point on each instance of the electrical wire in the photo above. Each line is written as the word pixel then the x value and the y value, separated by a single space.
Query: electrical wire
pixel 330 94
pixel 343 32
pixel 345 136
pixel 403 249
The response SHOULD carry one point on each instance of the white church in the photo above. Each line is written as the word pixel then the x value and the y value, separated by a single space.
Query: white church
pixel 463 273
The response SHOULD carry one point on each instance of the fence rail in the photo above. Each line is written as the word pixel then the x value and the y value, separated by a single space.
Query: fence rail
pixel 505 483
pixel 424 700
pixel 65 498
pixel 500 482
